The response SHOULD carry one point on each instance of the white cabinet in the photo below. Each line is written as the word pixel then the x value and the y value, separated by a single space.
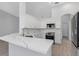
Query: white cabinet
pixel 58 34
pixel 41 33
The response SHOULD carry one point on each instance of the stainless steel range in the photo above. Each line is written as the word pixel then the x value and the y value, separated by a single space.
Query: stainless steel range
pixel 50 35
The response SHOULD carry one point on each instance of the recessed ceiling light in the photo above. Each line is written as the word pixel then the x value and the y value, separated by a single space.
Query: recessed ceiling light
pixel 56 2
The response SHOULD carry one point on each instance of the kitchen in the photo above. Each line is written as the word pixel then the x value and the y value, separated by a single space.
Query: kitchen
pixel 40 28
pixel 29 26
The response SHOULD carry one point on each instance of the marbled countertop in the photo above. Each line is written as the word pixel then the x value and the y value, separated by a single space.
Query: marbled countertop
pixel 35 44
pixel 42 28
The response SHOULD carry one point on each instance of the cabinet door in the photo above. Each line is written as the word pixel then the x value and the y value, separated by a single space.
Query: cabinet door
pixel 58 36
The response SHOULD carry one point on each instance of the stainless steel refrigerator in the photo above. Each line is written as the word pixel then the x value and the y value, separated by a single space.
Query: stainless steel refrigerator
pixel 75 29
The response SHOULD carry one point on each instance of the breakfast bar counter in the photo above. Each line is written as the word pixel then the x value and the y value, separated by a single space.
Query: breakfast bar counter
pixel 27 46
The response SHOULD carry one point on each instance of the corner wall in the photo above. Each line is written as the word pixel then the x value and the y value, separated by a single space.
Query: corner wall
pixel 8 23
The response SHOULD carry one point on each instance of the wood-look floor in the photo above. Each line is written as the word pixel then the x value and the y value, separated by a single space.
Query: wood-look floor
pixel 64 49
pixel 3 48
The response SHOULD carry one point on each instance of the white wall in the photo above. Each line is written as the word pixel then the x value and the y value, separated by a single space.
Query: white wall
pixel 8 23
pixel 30 22
pixel 45 21
pixel 10 7
pixel 26 20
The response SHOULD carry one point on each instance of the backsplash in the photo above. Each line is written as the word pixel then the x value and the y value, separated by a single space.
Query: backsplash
pixel 36 33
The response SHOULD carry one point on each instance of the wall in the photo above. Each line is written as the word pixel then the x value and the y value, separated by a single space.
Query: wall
pixel 8 23
pixel 26 20
pixel 30 22
pixel 10 7
pixel 45 21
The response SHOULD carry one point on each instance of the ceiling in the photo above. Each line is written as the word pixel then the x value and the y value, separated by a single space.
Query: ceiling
pixel 10 7
pixel 54 4
pixel 41 9
pixel 37 9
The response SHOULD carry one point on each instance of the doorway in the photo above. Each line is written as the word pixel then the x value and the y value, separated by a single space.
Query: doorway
pixel 66 20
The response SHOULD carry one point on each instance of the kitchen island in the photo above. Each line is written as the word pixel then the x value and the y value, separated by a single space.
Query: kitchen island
pixel 26 46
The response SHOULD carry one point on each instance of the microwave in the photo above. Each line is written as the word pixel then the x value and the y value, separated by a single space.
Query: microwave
pixel 50 25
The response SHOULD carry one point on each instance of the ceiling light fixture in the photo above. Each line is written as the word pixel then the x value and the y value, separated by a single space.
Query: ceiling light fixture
pixel 56 2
